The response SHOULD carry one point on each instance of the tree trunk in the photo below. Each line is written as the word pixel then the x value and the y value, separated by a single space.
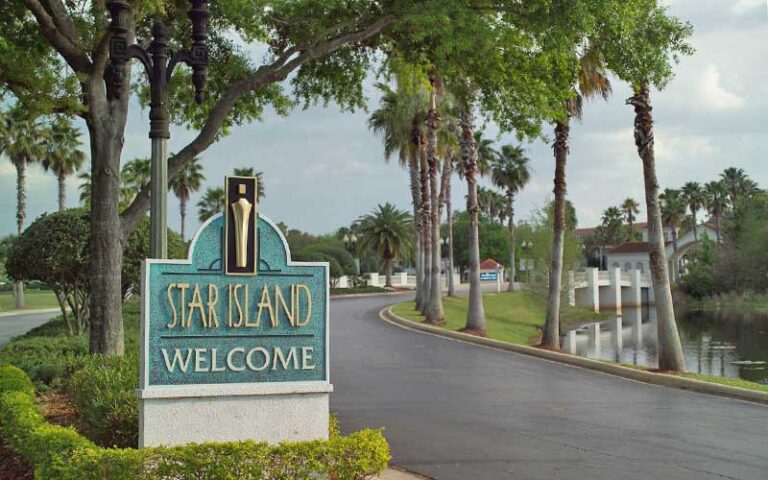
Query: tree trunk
pixel 551 337
pixel 61 179
pixel 413 172
pixel 183 214
pixel 670 348
pixel 435 313
pixel 511 228
pixel 695 230
pixel 388 272
pixel 106 123
pixel 449 215
pixel 675 261
pixel 426 231
pixel 21 213
pixel 475 310
pixel 717 228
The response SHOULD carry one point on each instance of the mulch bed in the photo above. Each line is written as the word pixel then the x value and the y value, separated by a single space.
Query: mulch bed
pixel 12 466
pixel 473 331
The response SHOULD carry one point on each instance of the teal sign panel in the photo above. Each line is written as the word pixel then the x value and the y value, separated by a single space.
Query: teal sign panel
pixel 488 276
pixel 202 325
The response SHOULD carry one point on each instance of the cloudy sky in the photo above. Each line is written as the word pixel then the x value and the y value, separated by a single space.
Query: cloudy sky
pixel 323 168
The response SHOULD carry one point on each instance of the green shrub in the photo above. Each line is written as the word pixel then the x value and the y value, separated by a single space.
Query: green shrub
pixel 343 458
pixel 60 453
pixel 46 360
pixel 103 391
pixel 13 379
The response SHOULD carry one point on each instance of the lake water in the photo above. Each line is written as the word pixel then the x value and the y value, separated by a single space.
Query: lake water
pixel 724 343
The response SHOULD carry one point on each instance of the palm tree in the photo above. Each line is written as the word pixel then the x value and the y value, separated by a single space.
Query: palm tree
pixel 211 203
pixel 613 223
pixel 592 82
pixel 469 166
pixel 693 194
pixel 434 314
pixel 630 208
pixel 23 142
pixel 395 121
pixel 85 189
pixel 63 155
pixel 135 175
pixel 250 172
pixel 734 180
pixel 642 54
pixel 188 180
pixel 388 232
pixel 716 202
pixel 673 211
pixel 486 154
pixel 511 171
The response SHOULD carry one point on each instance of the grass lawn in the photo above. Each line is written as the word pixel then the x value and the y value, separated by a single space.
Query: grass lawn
pixel 35 299
pixel 512 317
pixel 732 382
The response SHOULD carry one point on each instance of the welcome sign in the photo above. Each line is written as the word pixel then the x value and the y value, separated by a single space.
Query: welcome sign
pixel 237 313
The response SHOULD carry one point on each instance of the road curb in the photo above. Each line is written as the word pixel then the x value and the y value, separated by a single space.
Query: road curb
pixel 14 313
pixel 662 379
pixel 367 295
pixel 397 473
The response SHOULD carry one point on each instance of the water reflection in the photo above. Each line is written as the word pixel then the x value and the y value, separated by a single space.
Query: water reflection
pixel 725 343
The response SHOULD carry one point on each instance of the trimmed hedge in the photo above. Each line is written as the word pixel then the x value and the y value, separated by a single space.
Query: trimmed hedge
pixel 61 453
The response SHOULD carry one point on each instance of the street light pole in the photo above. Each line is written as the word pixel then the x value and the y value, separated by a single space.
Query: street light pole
pixel 159 62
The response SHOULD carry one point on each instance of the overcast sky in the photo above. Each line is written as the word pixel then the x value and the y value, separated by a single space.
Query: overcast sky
pixel 323 168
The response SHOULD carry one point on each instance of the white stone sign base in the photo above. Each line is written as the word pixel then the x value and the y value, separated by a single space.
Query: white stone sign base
pixel 275 412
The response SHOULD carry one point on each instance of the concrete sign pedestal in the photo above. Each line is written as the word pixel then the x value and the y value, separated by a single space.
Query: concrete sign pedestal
pixel 235 338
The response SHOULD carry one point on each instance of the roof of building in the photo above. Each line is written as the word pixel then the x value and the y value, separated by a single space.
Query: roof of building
pixel 490 264
pixel 631 247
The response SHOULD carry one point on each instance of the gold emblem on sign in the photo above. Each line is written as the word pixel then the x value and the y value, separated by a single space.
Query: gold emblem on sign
pixel 241 210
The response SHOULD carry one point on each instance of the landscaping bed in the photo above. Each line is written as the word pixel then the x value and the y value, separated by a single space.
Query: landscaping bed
pixel 72 416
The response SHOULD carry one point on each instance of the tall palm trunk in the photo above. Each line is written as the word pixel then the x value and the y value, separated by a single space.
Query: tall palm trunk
pixel 717 228
pixel 475 310
pixel 511 228
pixel 675 262
pixel 413 171
pixel 388 271
pixel 426 230
pixel 21 213
pixel 695 229
pixel 435 313
pixel 183 213
pixel 670 348
pixel 449 220
pixel 62 185
pixel 551 337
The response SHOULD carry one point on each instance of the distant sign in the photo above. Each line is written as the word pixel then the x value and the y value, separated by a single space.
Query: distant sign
pixel 238 310
pixel 488 276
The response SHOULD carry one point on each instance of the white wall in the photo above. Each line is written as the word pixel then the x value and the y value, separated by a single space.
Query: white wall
pixel 636 261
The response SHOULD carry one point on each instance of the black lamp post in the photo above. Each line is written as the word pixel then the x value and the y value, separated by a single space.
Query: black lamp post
pixel 159 62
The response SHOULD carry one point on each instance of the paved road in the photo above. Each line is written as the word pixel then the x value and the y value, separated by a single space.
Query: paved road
pixel 14 325
pixel 457 411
